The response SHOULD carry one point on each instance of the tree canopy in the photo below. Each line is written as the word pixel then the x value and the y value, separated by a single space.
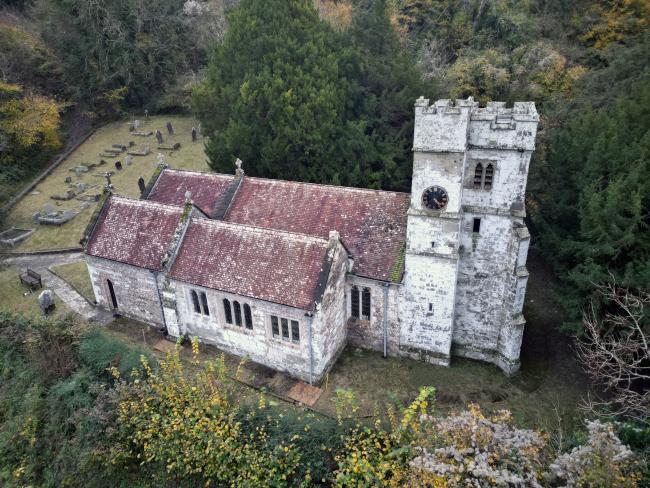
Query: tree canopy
pixel 293 98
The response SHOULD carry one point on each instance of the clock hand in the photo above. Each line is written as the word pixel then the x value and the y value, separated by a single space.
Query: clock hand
pixel 437 202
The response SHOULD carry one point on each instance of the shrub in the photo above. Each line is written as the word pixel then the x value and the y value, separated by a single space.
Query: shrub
pixel 602 461
pixel 470 449
pixel 99 352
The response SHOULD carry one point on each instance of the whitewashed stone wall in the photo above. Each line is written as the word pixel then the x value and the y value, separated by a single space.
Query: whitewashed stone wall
pixel 135 289
pixel 369 334
pixel 460 286
pixel 328 331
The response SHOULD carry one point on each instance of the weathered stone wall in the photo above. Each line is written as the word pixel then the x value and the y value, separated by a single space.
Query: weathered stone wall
pixel 328 330
pixel 369 334
pixel 329 322
pixel 135 289
pixel 258 344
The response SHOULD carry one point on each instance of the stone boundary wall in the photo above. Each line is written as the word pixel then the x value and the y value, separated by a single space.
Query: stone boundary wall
pixel 62 250
pixel 62 157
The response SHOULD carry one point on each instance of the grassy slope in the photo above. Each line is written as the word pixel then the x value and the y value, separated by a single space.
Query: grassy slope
pixel 76 274
pixel 190 156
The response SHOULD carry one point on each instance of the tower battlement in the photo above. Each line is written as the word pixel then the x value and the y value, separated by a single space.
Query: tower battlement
pixel 450 126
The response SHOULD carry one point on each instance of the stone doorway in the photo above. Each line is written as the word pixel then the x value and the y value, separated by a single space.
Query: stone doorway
pixel 111 292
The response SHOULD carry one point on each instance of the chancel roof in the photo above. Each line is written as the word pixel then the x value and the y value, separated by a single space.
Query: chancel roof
pixel 275 266
pixel 372 223
pixel 134 232
pixel 207 189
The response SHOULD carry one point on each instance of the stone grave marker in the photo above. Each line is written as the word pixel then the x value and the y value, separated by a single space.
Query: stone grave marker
pixel 159 136
pixel 193 134
pixel 46 301
pixel 141 185
pixel 128 160
pixel 170 128
pixel 118 165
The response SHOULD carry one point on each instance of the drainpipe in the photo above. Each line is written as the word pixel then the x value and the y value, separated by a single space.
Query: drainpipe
pixel 310 318
pixel 162 310
pixel 386 286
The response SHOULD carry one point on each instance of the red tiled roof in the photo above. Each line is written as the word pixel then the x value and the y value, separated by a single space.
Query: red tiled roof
pixel 372 223
pixel 275 266
pixel 134 232
pixel 206 188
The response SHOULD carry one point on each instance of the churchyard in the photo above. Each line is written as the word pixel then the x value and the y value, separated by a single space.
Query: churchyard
pixel 88 180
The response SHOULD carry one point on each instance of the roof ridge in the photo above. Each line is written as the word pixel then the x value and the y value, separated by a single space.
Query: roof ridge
pixel 146 203
pixel 306 183
pixel 263 230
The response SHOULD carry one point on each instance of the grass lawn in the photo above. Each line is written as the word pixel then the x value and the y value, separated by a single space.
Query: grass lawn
pixel 189 156
pixel 13 298
pixel 76 274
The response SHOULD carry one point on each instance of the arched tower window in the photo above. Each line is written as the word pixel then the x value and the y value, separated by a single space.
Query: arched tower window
pixel 354 302
pixel 478 176
pixel 237 308
pixel 248 316
pixel 365 304
pixel 227 311
pixel 195 301
pixel 489 176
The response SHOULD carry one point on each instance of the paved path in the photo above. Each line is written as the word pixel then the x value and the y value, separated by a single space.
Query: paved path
pixel 41 262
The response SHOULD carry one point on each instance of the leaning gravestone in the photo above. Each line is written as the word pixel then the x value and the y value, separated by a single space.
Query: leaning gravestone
pixel 46 301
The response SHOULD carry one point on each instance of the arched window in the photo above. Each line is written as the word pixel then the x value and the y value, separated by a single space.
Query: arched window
pixel 365 304
pixel 354 302
pixel 195 301
pixel 227 311
pixel 489 176
pixel 204 302
pixel 248 316
pixel 237 308
pixel 478 176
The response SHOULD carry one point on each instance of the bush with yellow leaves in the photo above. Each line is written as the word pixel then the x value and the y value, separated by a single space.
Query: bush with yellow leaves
pixel 182 425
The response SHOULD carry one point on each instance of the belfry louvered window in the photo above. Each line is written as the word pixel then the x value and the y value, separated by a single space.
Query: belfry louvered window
pixel 478 176
pixel 489 176
pixel 483 176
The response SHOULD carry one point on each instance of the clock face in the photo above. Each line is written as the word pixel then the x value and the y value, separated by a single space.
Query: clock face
pixel 435 198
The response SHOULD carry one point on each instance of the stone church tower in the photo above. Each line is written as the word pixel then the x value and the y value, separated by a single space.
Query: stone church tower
pixel 466 245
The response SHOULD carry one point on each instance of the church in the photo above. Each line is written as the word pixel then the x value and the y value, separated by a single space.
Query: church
pixel 289 273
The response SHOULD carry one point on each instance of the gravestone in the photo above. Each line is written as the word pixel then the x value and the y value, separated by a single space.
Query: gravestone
pixel 159 136
pixel 128 160
pixel 102 162
pixel 49 210
pixel 137 124
pixel 118 165
pixel 46 301
pixel 193 134
pixel 141 185
pixel 77 172
pixel 170 129
pixel 68 179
